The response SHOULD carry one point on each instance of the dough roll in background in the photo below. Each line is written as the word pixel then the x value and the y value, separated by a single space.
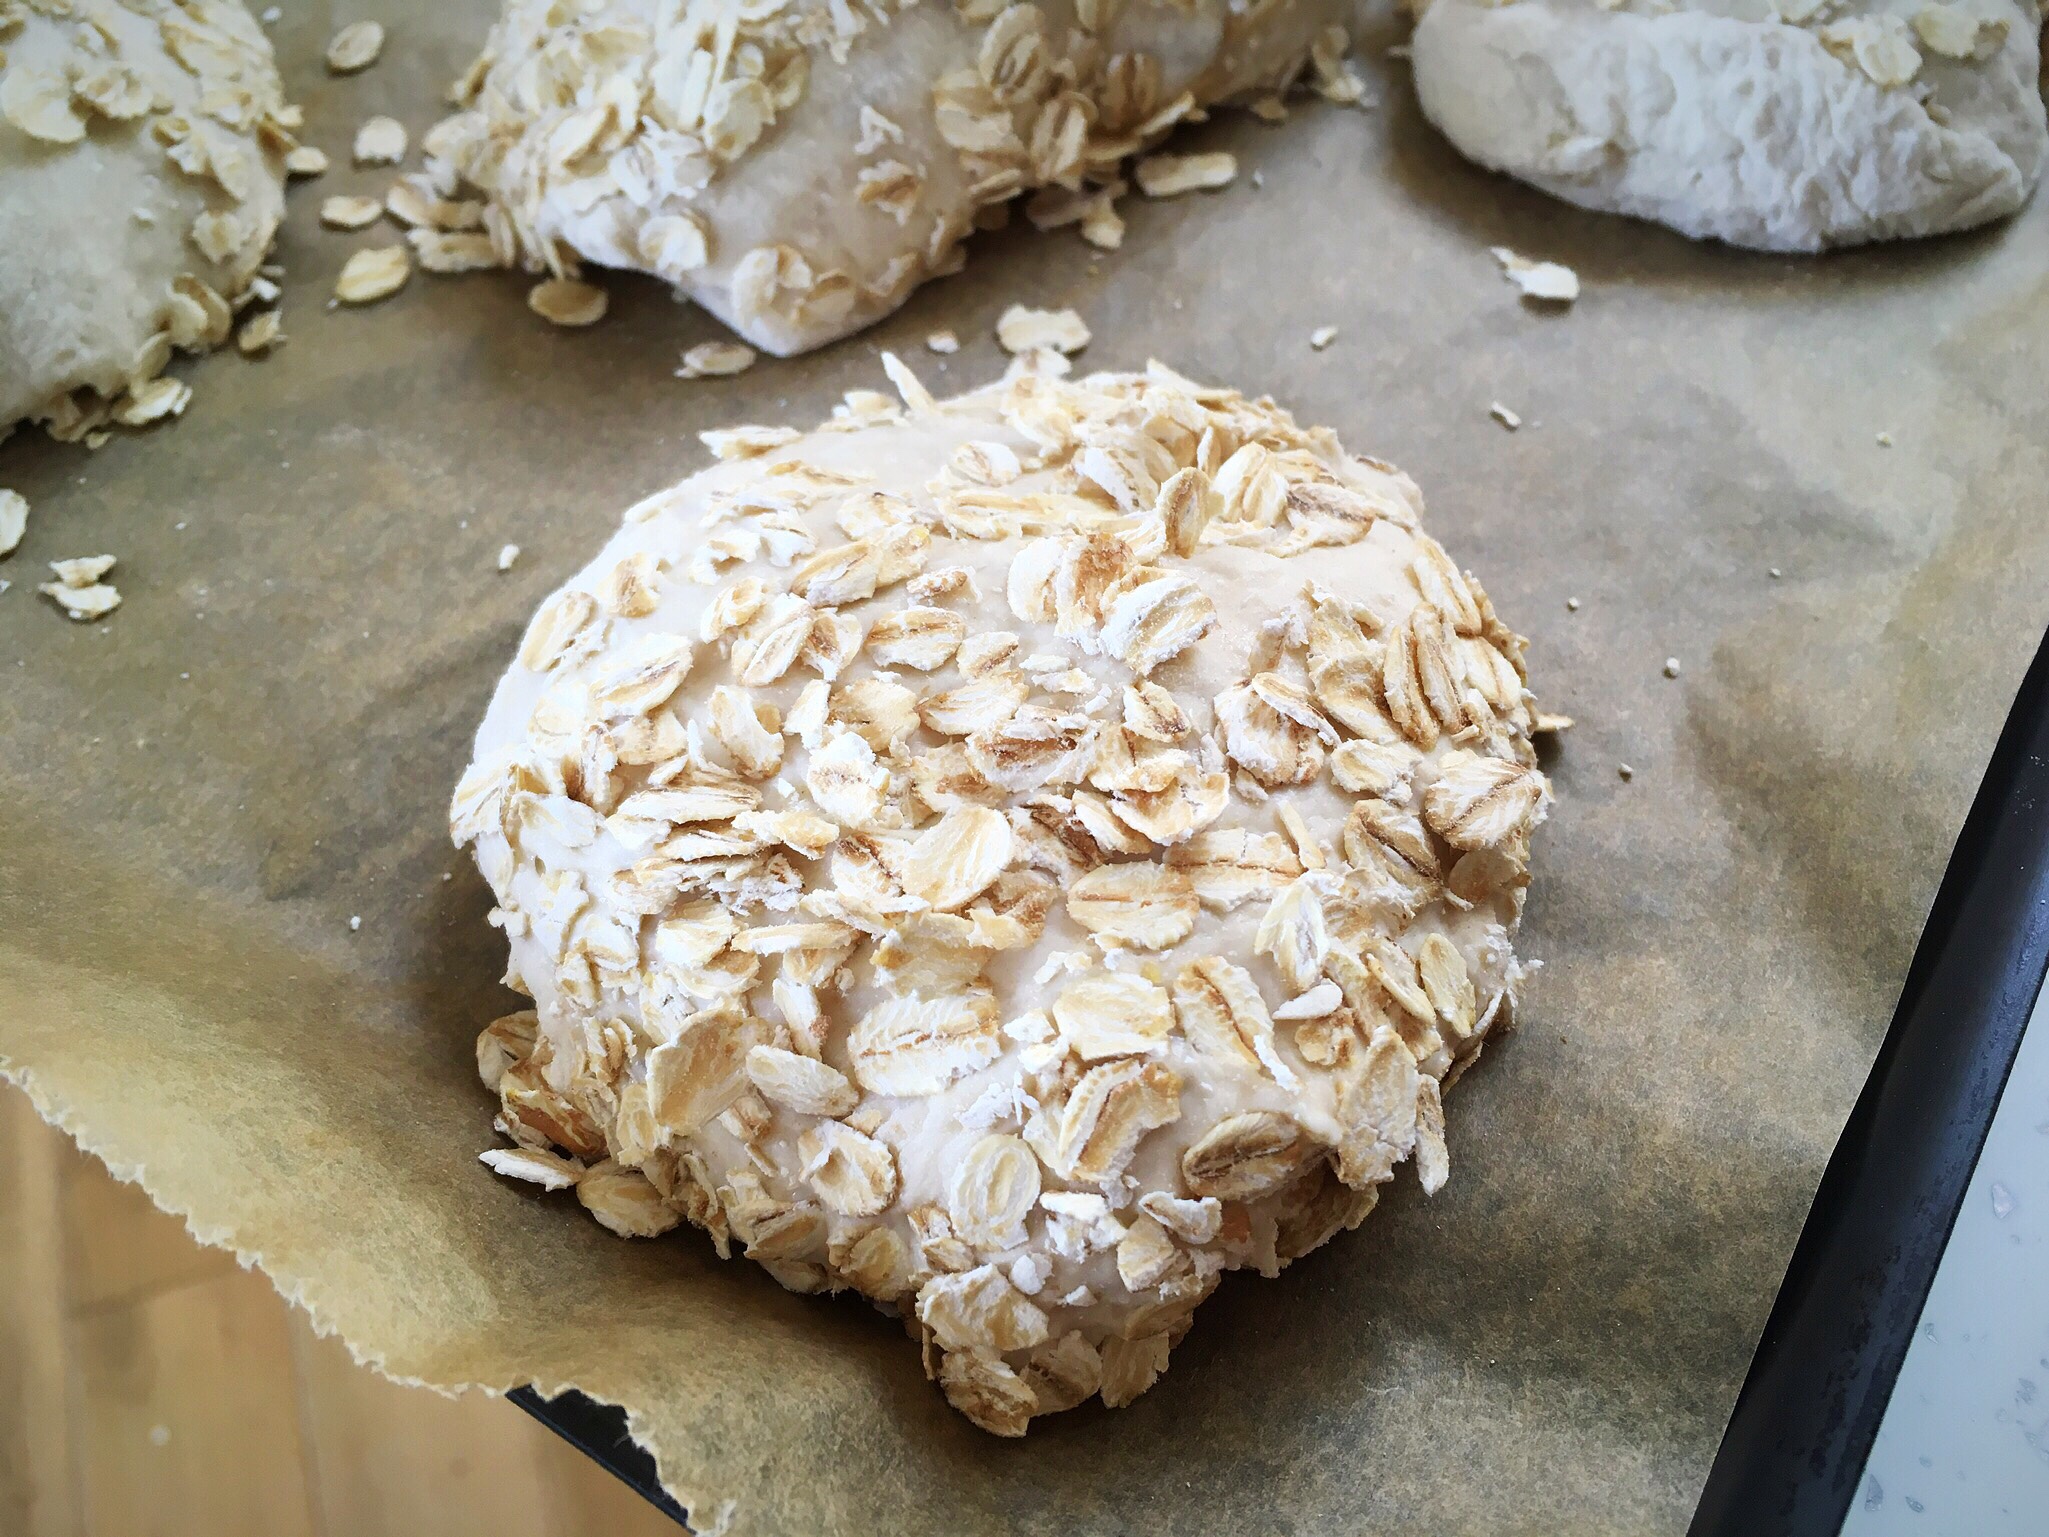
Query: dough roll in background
pixel 1783 125
pixel 798 170
pixel 141 181
pixel 1552 1340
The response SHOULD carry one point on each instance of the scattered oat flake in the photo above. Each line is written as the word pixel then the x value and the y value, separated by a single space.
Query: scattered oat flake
pixel 1538 280
pixel 355 47
pixel 78 589
pixel 1503 415
pixel 1103 226
pixel 13 521
pixel 550 1171
pixel 83 603
pixel 1322 337
pixel 374 274
pixel 412 200
pixel 1172 175
pixel 1022 329
pixel 305 160
pixel 260 333
pixel 380 141
pixel 909 387
pixel 716 360
pixel 350 212
pixel 152 402
pixel 445 251
pixel 943 342
pixel 508 555
pixel 567 302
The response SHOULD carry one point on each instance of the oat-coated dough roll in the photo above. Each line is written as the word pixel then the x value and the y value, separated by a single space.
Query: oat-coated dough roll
pixel 798 167
pixel 1015 857
pixel 142 151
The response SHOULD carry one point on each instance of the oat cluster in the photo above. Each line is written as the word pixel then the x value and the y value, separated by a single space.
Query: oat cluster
pixel 1890 47
pixel 1015 857
pixel 799 166
pixel 188 89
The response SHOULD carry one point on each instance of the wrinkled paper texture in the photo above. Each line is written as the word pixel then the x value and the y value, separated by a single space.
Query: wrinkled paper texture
pixel 197 795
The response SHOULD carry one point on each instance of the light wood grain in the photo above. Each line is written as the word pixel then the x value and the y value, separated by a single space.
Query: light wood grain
pixel 497 1473
pixel 119 1246
pixel 187 1421
pixel 378 1445
pixel 150 1388
pixel 37 1479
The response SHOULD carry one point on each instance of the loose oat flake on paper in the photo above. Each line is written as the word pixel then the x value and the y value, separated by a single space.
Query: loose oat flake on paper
pixel 1538 279
pixel 355 47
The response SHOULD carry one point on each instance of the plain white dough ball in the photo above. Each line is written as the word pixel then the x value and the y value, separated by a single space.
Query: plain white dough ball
pixel 141 180
pixel 1015 857
pixel 1785 125
pixel 801 174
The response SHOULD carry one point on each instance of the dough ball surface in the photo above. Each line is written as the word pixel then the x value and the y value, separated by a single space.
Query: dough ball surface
pixel 1015 857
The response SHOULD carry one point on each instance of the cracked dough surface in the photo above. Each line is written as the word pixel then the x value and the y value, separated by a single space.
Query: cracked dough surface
pixel 1014 857
pixel 799 168
pixel 142 174
pixel 1785 125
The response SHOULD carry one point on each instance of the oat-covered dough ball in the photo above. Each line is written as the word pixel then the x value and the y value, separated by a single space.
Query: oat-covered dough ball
pixel 797 167
pixel 1785 125
pixel 142 148
pixel 1015 857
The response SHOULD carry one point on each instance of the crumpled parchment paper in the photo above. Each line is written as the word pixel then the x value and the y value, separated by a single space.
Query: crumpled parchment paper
pixel 197 795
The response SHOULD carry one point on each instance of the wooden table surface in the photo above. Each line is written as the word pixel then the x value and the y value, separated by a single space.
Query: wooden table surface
pixel 151 1388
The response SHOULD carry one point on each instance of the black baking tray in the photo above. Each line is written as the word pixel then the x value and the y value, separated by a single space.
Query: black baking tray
pixel 1824 1369
pixel 599 1431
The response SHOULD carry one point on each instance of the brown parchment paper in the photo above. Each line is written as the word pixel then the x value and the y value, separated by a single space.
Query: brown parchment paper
pixel 199 794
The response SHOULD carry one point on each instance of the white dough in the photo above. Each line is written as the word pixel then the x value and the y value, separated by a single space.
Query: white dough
pixel 799 177
pixel 1015 858
pixel 1841 123
pixel 141 181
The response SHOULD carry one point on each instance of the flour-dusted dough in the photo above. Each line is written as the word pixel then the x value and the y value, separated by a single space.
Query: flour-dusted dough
pixel 1015 857
pixel 142 153
pixel 1786 125
pixel 798 168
